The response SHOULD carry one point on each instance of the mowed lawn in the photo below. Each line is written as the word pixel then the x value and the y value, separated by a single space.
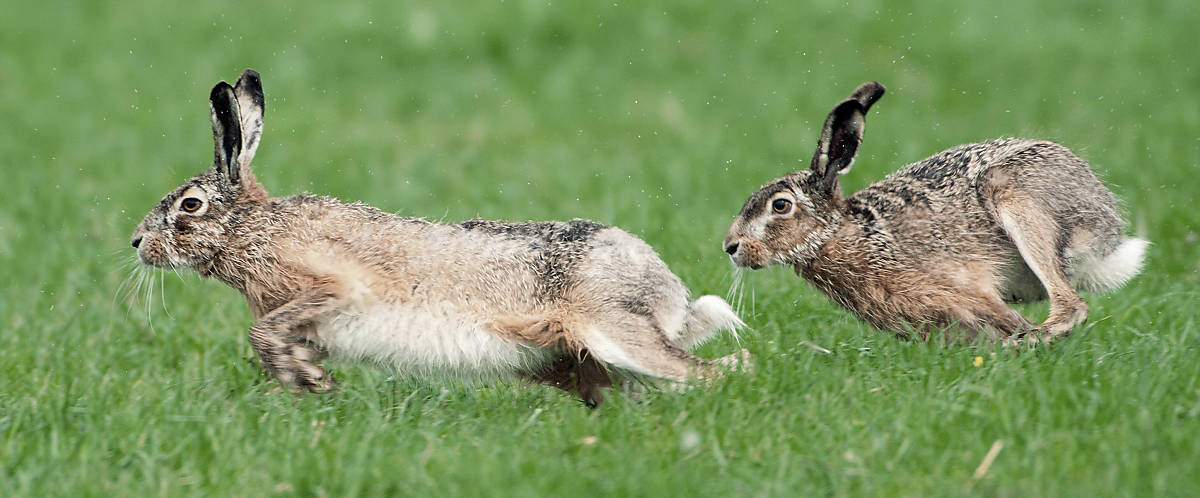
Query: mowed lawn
pixel 659 118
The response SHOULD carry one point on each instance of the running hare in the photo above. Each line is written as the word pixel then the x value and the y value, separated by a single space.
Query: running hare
pixel 948 240
pixel 558 302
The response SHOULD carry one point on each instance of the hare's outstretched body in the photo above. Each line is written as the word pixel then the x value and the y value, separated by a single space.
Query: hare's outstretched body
pixel 948 240
pixel 559 302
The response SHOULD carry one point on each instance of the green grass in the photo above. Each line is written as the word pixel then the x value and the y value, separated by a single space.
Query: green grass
pixel 658 118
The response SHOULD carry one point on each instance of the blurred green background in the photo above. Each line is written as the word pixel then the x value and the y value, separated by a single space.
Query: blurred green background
pixel 659 117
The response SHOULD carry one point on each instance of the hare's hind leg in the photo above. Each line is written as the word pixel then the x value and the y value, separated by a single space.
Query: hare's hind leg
pixel 643 349
pixel 281 340
pixel 635 342
pixel 1036 235
pixel 646 350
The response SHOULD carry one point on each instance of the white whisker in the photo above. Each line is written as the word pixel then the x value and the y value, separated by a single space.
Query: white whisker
pixel 162 292
pixel 149 280
pixel 753 308
pixel 125 285
pixel 735 293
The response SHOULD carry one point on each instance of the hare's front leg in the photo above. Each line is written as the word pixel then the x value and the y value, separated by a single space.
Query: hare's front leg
pixel 281 339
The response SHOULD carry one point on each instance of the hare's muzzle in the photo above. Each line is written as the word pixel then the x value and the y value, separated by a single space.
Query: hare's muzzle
pixel 745 253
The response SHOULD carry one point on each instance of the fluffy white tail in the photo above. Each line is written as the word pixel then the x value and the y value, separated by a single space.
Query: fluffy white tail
pixel 1113 269
pixel 706 316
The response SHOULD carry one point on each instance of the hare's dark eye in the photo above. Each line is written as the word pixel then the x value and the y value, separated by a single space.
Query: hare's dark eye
pixel 191 204
pixel 781 206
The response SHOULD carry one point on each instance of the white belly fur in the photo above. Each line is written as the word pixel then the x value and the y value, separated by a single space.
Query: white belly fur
pixel 423 342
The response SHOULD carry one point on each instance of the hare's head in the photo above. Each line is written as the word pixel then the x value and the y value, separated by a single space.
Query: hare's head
pixel 788 219
pixel 189 226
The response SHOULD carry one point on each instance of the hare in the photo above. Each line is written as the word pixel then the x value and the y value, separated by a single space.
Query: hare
pixel 556 302
pixel 948 240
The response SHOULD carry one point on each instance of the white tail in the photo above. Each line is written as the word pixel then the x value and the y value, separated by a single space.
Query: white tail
pixel 1112 270
pixel 706 316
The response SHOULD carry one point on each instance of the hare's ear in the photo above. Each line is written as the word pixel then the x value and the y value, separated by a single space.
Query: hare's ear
pixel 843 133
pixel 227 131
pixel 249 93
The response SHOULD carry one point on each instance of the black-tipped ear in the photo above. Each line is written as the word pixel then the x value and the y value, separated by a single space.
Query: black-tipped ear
pixel 227 131
pixel 843 133
pixel 867 93
pixel 249 94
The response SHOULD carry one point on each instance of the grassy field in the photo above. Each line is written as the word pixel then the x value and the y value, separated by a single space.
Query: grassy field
pixel 659 118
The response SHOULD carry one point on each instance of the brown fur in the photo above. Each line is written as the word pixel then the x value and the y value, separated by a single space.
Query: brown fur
pixel 946 241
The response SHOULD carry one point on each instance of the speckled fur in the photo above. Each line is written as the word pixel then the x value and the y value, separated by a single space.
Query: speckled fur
pixel 950 240
pixel 564 303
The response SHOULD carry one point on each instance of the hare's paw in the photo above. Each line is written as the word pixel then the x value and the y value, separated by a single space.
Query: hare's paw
pixel 709 371
pixel 736 362
pixel 306 373
pixel 314 378
pixel 293 366
pixel 1064 318
pixel 304 377
pixel 1029 339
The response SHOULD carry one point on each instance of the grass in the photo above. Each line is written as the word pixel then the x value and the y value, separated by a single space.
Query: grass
pixel 660 118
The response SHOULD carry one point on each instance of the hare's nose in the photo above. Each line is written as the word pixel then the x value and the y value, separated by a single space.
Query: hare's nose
pixel 732 248
pixel 136 242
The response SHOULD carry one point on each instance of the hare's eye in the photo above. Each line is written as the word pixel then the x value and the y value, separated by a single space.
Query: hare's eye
pixel 191 204
pixel 781 206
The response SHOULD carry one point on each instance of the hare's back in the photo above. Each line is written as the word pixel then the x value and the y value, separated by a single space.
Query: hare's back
pixel 581 258
pixel 964 164
pixel 595 268
pixel 954 179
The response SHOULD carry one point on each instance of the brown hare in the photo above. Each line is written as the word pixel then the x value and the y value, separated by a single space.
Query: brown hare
pixel 950 240
pixel 558 302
